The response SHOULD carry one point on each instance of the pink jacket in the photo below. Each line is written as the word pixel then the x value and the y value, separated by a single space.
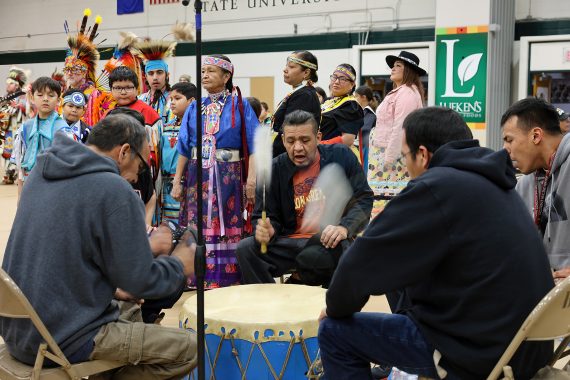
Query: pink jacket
pixel 390 116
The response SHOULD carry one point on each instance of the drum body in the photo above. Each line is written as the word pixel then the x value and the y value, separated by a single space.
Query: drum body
pixel 259 332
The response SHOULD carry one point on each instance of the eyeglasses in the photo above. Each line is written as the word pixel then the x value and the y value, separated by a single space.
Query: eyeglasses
pixel 74 70
pixel 121 89
pixel 143 167
pixel 334 78
pixel 401 160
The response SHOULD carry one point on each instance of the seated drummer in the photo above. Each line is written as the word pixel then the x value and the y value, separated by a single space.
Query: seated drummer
pixel 312 252
pixel 459 247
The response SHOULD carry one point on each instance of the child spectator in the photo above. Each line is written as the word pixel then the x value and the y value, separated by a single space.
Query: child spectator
pixel 143 186
pixel 265 116
pixel 124 83
pixel 36 134
pixel 73 109
pixel 181 95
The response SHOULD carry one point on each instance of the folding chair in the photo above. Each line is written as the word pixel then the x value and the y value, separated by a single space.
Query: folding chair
pixel 14 304
pixel 549 320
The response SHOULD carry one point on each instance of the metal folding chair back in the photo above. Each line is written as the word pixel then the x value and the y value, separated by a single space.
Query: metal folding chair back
pixel 550 319
pixel 14 304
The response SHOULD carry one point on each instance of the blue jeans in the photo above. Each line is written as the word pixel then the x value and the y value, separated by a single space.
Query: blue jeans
pixel 349 345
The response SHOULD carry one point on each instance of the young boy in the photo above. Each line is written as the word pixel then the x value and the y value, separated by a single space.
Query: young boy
pixel 181 95
pixel 124 83
pixel 143 187
pixel 36 134
pixel 73 109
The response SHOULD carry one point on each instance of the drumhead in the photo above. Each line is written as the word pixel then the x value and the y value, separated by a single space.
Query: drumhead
pixel 260 312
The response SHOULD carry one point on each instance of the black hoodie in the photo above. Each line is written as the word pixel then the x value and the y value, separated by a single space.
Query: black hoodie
pixel 460 242
pixel 79 233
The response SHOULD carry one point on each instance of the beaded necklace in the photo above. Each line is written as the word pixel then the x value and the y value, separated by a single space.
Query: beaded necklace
pixel 212 113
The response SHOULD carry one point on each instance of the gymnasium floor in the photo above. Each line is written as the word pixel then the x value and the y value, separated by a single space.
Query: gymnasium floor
pixel 8 201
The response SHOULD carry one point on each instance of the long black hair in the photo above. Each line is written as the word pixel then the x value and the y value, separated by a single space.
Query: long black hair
pixel 309 57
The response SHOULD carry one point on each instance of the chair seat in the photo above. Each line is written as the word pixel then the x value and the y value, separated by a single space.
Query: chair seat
pixel 19 370
pixel 9 366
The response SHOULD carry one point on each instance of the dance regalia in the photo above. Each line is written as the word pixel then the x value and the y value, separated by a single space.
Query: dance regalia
pixel 341 114
pixel 91 116
pixel 303 98
pixel 169 207
pixel 35 136
pixel 122 56
pixel 82 57
pixel 80 131
pixel 13 115
pixel 13 112
pixel 223 179
pixel 387 172
pixel 161 106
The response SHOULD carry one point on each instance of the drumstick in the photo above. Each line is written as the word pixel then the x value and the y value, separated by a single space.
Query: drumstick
pixel 333 187
pixel 264 218
pixel 263 162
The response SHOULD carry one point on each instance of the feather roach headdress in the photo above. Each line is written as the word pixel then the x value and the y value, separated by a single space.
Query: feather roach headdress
pixel 18 75
pixel 59 77
pixel 183 32
pixel 82 54
pixel 154 53
pixel 123 56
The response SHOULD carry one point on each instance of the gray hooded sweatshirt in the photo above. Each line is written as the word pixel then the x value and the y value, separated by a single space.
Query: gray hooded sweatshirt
pixel 556 209
pixel 79 233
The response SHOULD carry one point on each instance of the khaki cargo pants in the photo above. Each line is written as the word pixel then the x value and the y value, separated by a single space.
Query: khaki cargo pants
pixel 149 351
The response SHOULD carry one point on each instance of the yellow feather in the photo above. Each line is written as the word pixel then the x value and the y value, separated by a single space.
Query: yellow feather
pixel 87 12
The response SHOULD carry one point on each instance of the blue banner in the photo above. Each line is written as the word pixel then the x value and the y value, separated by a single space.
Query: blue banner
pixel 130 6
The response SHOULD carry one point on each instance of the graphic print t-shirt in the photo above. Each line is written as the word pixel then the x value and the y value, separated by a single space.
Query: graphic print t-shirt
pixel 304 194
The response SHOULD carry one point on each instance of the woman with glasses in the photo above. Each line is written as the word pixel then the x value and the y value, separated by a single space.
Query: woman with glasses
pixel 342 116
pixel 228 128
pixel 387 174
pixel 300 73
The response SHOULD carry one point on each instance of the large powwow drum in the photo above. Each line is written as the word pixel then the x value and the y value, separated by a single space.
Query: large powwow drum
pixel 259 332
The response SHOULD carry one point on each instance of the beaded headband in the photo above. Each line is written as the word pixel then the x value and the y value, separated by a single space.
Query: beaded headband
pixel 76 98
pixel 301 62
pixel 346 72
pixel 209 60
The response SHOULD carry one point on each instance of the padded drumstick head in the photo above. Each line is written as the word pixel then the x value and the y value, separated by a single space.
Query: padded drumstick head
pixel 336 191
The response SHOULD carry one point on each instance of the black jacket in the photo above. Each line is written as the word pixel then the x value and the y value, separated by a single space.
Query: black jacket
pixel 369 123
pixel 462 245
pixel 280 205
pixel 305 99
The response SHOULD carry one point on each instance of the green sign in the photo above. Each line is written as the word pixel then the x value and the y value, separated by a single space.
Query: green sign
pixel 461 74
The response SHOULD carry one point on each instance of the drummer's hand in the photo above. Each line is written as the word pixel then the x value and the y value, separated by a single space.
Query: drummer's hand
pixel 176 192
pixel 264 231
pixel 122 295
pixel 332 235
pixel 561 274
pixel 161 241
pixel 185 253
pixel 323 314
